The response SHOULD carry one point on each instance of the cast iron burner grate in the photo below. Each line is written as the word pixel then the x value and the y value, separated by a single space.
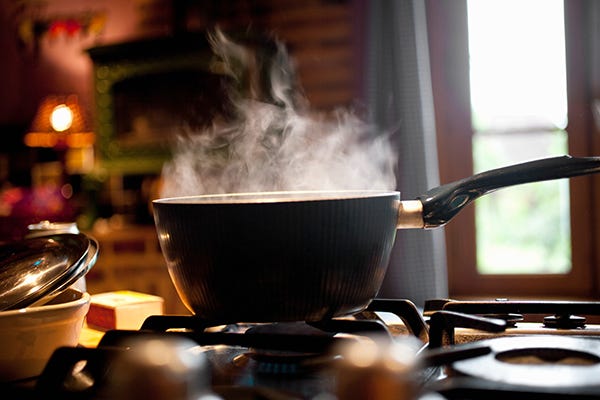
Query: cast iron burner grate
pixel 559 314
pixel 309 336
pixel 261 344
pixel 272 351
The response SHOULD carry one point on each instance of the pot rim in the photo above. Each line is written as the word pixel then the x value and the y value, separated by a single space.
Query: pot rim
pixel 80 299
pixel 276 196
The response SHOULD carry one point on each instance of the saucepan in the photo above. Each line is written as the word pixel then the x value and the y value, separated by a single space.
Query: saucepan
pixel 311 255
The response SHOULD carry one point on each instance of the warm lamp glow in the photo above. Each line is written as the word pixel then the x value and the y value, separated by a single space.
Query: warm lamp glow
pixel 61 118
pixel 59 122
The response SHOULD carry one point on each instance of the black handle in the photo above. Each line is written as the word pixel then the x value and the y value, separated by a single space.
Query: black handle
pixel 441 204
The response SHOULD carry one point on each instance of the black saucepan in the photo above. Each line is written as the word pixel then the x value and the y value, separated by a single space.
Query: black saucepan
pixel 286 256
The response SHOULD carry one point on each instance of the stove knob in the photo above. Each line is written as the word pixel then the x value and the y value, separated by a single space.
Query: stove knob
pixel 161 368
pixel 378 369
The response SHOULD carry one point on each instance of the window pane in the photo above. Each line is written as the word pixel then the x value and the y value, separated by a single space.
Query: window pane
pixel 525 228
pixel 517 63
pixel 519 106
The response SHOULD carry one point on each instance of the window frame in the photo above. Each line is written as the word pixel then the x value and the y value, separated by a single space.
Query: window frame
pixel 448 40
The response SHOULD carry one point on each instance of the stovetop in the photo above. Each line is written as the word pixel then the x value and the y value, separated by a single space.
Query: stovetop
pixel 451 350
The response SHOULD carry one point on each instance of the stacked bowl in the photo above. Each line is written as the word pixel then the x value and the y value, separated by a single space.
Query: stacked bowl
pixel 41 308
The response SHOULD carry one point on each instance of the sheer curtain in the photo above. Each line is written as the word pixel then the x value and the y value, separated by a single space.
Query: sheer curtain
pixel 398 96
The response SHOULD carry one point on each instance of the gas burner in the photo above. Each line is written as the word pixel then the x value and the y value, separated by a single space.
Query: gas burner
pixel 543 360
pixel 564 321
pixel 510 318
pixel 282 328
pixel 283 362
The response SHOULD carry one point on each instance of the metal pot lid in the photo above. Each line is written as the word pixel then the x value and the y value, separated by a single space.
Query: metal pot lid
pixel 34 268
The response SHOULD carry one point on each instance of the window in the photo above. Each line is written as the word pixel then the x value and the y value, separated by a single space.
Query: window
pixel 519 112
pixel 524 118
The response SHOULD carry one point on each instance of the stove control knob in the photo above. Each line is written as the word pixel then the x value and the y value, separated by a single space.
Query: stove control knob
pixel 162 367
pixel 378 369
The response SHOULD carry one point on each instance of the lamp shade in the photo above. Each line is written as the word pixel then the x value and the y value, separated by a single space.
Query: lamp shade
pixel 59 121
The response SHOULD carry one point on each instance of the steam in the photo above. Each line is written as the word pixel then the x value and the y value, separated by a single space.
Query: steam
pixel 272 141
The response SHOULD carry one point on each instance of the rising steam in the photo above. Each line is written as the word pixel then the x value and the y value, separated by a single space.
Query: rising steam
pixel 273 142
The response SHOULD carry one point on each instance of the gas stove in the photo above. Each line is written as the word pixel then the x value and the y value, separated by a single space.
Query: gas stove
pixel 451 350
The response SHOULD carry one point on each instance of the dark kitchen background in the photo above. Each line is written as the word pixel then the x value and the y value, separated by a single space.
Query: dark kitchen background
pixel 135 66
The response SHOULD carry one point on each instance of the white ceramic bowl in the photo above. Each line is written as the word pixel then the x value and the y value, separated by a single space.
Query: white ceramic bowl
pixel 29 336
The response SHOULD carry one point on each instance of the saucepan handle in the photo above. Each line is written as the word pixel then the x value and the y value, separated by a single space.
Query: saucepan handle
pixel 439 205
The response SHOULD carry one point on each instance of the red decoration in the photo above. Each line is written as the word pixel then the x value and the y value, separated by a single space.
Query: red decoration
pixel 31 30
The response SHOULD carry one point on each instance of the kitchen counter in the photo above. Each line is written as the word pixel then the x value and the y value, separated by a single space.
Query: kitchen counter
pixel 90 337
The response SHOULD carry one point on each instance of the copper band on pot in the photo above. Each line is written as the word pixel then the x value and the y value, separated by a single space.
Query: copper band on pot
pixel 410 214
